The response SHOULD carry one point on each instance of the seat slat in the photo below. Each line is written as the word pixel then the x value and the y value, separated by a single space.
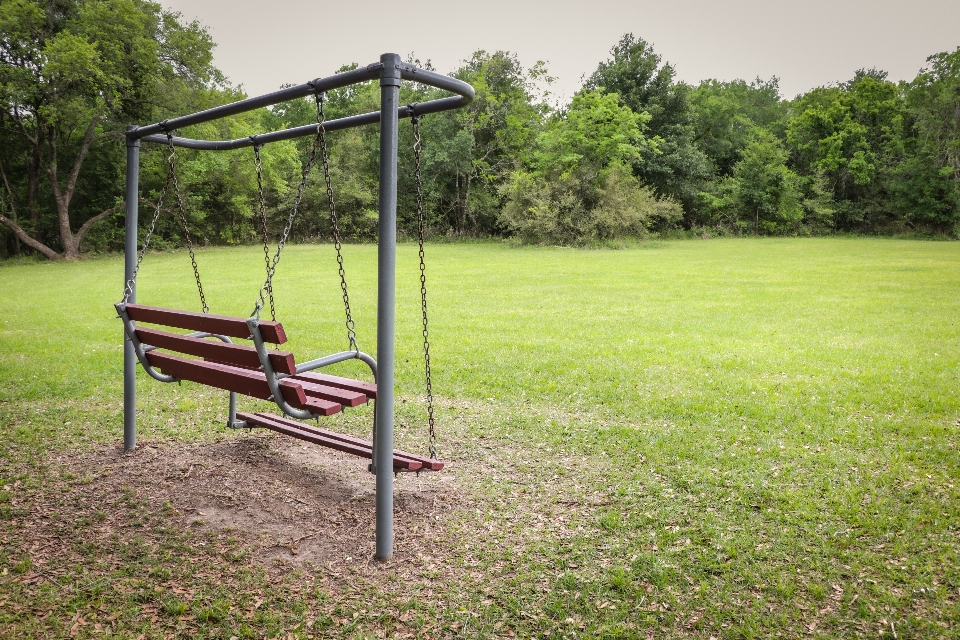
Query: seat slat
pixel 220 352
pixel 246 381
pixel 313 388
pixel 343 396
pixel 349 385
pixel 272 332
pixel 338 441
pixel 366 388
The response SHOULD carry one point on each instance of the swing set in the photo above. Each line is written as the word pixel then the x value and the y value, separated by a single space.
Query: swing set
pixel 300 391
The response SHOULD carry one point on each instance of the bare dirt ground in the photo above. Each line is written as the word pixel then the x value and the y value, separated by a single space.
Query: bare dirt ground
pixel 255 529
pixel 291 502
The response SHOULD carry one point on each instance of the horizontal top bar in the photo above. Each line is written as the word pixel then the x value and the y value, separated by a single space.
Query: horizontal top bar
pixel 336 81
pixel 420 109
pixel 157 132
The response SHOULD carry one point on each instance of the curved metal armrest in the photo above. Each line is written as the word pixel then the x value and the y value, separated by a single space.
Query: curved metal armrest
pixel 340 357
pixel 273 379
pixel 130 328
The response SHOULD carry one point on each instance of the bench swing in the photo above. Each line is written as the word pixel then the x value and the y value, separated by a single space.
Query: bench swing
pixel 298 390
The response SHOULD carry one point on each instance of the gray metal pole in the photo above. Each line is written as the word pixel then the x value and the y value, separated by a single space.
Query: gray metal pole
pixel 386 296
pixel 129 264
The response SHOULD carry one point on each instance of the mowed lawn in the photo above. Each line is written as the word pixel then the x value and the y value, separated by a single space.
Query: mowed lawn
pixel 736 438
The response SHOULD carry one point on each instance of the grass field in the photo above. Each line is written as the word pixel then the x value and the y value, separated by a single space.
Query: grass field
pixel 735 438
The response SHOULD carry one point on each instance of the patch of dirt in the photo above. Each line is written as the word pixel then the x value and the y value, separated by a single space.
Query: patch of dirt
pixel 291 502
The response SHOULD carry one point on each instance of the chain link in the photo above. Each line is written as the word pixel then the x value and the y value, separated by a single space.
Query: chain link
pixel 417 149
pixel 334 220
pixel 258 161
pixel 183 220
pixel 268 284
pixel 132 282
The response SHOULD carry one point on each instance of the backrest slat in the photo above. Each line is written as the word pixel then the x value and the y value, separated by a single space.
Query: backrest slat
pixel 272 332
pixel 225 353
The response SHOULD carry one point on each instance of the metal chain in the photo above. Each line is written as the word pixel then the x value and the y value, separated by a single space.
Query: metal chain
pixel 132 282
pixel 268 284
pixel 351 330
pixel 183 220
pixel 258 161
pixel 417 148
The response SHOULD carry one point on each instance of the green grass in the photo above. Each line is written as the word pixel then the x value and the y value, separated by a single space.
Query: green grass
pixel 733 438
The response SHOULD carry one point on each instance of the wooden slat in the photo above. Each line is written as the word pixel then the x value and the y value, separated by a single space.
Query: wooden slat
pixel 343 396
pixel 216 351
pixel 428 463
pixel 369 390
pixel 401 459
pixel 248 382
pixel 366 389
pixel 272 332
pixel 296 430
pixel 338 441
pixel 360 442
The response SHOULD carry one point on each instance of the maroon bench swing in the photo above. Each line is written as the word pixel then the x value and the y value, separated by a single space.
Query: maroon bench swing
pixel 238 369
pixel 256 371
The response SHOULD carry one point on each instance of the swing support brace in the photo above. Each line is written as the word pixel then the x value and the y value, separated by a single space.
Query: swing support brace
pixel 390 70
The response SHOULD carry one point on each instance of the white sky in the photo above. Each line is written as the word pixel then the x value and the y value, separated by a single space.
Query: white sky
pixel 806 43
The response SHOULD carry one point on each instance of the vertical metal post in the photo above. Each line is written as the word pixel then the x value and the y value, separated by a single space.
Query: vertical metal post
pixel 232 411
pixel 129 264
pixel 386 297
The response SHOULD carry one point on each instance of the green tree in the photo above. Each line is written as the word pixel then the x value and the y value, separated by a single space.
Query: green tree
pixel 466 155
pixel 762 194
pixel 72 74
pixel 853 136
pixel 220 187
pixel 636 73
pixel 497 130
pixel 924 194
pixel 934 100
pixel 727 115
pixel 578 186
pixel 927 183
pixel 353 160
pixel 767 190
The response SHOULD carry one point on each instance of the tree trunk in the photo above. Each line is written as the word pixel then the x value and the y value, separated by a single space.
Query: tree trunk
pixel 13 209
pixel 34 165
pixel 62 200
pixel 459 205
pixel 70 241
pixel 22 235
pixel 466 204
pixel 33 185
pixel 76 238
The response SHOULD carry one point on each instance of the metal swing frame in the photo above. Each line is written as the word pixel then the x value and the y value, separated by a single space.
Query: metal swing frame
pixel 390 71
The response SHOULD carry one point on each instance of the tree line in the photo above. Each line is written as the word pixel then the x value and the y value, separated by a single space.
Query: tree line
pixel 634 152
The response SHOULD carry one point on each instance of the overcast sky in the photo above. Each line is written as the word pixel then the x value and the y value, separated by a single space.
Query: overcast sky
pixel 806 43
